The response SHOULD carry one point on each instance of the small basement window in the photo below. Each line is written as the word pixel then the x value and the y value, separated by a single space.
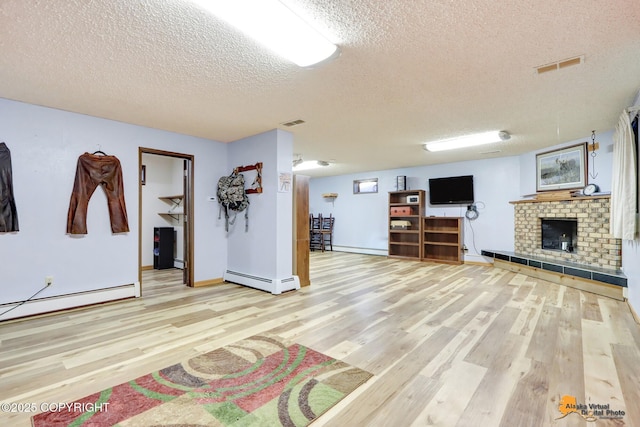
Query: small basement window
pixel 365 186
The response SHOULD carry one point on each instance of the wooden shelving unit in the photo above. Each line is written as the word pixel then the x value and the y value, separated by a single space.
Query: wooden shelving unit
pixel 406 206
pixel 442 239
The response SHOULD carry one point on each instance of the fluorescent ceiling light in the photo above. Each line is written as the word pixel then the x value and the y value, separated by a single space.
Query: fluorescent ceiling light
pixel 275 26
pixel 467 141
pixel 310 164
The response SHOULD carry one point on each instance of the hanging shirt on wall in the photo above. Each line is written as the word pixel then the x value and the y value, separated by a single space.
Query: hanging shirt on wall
pixel 8 211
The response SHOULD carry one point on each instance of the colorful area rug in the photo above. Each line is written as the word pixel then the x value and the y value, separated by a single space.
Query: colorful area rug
pixel 259 381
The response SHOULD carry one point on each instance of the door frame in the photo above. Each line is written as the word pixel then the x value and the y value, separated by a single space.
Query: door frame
pixel 188 212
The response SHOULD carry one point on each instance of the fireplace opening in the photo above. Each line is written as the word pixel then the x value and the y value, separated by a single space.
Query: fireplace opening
pixel 560 234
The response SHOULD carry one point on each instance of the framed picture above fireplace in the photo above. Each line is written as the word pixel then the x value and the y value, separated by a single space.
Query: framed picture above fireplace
pixel 563 169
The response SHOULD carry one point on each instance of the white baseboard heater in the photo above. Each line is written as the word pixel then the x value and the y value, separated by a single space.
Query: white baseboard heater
pixel 275 286
pixel 63 302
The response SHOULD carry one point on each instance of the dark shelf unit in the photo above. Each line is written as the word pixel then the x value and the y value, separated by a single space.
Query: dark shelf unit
pixel 163 247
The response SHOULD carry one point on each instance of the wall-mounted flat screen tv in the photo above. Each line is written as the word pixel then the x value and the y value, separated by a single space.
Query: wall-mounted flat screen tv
pixel 453 190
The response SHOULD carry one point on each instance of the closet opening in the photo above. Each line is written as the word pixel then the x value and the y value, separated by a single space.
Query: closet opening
pixel 165 200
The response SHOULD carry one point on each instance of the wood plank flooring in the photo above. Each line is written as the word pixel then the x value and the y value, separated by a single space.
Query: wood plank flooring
pixel 448 345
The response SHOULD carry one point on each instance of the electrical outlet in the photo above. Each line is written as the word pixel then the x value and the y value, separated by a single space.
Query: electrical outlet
pixel 48 280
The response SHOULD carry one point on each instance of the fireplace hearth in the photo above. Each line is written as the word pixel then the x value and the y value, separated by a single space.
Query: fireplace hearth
pixel 592 258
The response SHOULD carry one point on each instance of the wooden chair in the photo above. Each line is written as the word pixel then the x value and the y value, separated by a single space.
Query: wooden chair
pixel 327 232
pixel 316 240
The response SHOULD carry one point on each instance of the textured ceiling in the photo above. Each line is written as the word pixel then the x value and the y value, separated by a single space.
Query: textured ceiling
pixel 409 71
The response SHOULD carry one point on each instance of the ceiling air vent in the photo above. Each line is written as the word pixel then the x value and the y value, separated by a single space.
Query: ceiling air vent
pixel 293 123
pixel 560 64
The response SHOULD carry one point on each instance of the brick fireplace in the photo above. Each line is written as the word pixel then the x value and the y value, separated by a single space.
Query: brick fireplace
pixel 591 246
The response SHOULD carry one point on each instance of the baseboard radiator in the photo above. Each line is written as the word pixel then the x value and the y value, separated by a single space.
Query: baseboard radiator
pixel 64 302
pixel 275 286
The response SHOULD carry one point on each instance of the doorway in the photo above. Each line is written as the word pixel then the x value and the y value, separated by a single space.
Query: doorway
pixel 174 209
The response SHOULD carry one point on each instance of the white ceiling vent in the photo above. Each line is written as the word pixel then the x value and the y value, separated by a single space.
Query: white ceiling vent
pixel 560 64
pixel 293 123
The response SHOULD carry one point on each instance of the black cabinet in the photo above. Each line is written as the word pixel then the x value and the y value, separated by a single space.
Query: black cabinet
pixel 163 247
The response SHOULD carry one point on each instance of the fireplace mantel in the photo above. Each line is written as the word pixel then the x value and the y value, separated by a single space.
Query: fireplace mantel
pixel 563 199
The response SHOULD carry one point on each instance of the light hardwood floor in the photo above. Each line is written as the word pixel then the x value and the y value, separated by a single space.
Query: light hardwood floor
pixel 448 345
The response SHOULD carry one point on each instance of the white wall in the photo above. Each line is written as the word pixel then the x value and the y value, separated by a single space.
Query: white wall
pixel 631 266
pixel 361 219
pixel 45 144
pixel 265 249
pixel 603 162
